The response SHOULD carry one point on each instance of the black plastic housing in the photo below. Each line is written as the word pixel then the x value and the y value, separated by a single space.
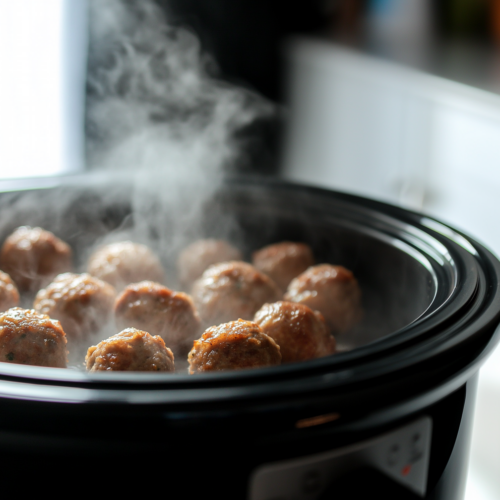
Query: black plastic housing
pixel 432 308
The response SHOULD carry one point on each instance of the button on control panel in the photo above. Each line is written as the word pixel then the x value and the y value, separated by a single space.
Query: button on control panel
pixel 402 455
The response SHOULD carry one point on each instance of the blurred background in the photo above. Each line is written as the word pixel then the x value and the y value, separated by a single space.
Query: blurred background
pixel 397 100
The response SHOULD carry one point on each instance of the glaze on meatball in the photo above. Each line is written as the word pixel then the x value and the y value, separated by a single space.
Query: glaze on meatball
pixel 84 306
pixel 300 332
pixel 130 350
pixel 202 254
pixel 30 338
pixel 331 290
pixel 233 346
pixel 9 296
pixel 154 308
pixel 33 257
pixel 125 262
pixel 283 261
pixel 232 290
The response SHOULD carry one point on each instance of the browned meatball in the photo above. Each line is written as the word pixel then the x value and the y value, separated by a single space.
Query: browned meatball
pixel 83 304
pixel 9 296
pixel 130 350
pixel 232 290
pixel 283 261
pixel 125 262
pixel 154 308
pixel 300 332
pixel 202 254
pixel 33 256
pixel 233 346
pixel 331 290
pixel 29 338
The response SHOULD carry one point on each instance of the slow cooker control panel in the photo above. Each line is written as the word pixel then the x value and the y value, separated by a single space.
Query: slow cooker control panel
pixel 401 455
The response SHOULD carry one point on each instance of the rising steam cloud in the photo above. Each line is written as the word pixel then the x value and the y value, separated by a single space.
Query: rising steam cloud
pixel 153 98
pixel 156 108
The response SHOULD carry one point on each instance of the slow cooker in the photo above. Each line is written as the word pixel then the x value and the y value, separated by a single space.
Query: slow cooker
pixel 388 415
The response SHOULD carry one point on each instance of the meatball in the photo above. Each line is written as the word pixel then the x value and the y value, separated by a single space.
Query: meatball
pixel 202 254
pixel 233 346
pixel 283 261
pixel 331 290
pixel 30 338
pixel 9 296
pixel 232 290
pixel 83 304
pixel 154 308
pixel 130 350
pixel 125 262
pixel 33 257
pixel 300 332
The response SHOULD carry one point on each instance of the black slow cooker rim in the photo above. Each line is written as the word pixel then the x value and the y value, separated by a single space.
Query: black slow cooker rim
pixel 475 299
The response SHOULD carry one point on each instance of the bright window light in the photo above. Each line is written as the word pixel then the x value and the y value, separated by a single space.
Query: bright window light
pixel 43 46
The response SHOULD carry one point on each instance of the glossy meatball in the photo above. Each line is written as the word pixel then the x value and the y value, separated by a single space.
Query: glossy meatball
pixel 154 308
pixel 130 350
pixel 30 338
pixel 233 346
pixel 125 262
pixel 283 261
pixel 331 290
pixel 232 290
pixel 9 296
pixel 300 332
pixel 202 254
pixel 82 303
pixel 33 257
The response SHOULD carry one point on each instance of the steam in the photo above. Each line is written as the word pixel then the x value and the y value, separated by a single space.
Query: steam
pixel 153 101
pixel 157 110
